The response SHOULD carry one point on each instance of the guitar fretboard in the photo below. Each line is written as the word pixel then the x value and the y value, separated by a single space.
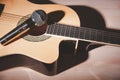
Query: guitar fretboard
pixel 84 33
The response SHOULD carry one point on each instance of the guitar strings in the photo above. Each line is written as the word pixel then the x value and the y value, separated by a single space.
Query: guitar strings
pixel 104 34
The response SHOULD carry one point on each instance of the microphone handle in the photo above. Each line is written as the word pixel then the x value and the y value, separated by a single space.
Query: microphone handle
pixel 16 32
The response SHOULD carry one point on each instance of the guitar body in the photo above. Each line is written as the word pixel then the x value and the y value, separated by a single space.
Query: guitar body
pixel 46 51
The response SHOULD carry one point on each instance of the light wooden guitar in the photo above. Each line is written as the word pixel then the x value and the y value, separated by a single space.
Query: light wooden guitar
pixel 47 51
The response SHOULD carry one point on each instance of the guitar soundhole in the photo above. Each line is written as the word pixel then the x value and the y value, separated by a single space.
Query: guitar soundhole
pixel 35 34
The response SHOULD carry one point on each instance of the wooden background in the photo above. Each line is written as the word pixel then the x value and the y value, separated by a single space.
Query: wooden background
pixel 103 63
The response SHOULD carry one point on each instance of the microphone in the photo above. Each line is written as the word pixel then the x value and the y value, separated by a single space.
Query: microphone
pixel 38 18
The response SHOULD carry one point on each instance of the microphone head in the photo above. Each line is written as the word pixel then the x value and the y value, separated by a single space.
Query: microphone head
pixel 39 17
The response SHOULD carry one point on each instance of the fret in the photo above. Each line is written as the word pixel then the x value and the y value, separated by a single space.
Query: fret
pixel 99 35
pixel 53 29
pixel 105 37
pixel 81 33
pixel 63 30
pixel 78 36
pixel 90 34
pixel 76 32
pixel 72 32
pixel 93 35
pixel 87 33
pixel 84 33
pixel 67 31
pixel 56 30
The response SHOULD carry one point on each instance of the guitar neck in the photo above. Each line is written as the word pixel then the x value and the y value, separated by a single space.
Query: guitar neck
pixel 85 34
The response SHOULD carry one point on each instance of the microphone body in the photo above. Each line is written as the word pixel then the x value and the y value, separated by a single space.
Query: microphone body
pixel 16 32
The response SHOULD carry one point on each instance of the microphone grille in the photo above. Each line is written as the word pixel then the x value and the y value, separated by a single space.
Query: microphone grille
pixel 39 17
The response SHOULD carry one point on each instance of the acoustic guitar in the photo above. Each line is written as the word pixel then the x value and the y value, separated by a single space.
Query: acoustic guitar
pixel 46 49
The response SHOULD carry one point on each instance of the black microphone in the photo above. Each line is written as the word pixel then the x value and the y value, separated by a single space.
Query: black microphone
pixel 38 18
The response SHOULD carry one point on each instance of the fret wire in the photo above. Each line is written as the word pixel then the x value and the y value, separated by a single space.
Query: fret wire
pixel 63 30
pixel 73 31
pixel 97 32
pixel 87 33
pixel 69 31
pixel 61 27
pixel 82 33
pixel 51 29
pixel 102 36
pixel 76 32
pixel 90 34
pixel 93 35
pixel 99 35
pixel 48 29
pixel 105 36
pixel 65 27
pixel 55 29
pixel 59 30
